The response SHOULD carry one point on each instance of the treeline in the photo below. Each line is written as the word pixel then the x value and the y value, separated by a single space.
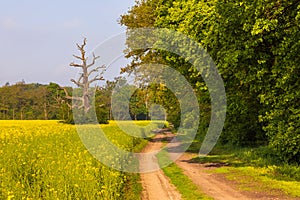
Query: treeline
pixel 33 101
pixel 255 45
pixel 49 102
pixel 45 102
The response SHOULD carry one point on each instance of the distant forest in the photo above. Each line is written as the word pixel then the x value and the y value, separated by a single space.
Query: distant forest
pixel 33 101
pixel 45 102
pixel 36 101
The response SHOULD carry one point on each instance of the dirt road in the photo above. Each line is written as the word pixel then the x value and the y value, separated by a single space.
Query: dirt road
pixel 211 186
pixel 156 185
pixel 217 186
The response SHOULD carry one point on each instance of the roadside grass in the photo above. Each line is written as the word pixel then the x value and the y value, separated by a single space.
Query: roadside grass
pixel 184 185
pixel 254 169
pixel 133 188
pixel 259 180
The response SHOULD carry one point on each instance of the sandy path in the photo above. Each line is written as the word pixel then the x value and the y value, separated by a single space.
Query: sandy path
pixel 217 186
pixel 156 186
pixel 206 182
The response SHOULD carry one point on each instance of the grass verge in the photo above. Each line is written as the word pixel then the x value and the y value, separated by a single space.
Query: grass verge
pixel 256 169
pixel 133 185
pixel 259 180
pixel 184 185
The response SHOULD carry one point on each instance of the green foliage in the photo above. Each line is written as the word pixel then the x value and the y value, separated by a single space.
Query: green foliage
pixel 159 94
pixel 47 102
pixel 138 105
pixel 288 172
pixel 260 158
pixel 255 45
pixel 33 101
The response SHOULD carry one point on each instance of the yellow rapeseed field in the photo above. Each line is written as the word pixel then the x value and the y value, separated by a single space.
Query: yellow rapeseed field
pixel 47 160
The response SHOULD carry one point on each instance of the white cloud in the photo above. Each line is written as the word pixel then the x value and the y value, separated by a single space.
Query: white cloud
pixel 8 23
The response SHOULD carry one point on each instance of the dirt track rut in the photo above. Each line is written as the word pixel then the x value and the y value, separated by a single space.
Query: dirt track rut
pixel 156 185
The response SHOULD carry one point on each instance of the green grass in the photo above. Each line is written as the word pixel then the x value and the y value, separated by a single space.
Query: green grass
pixel 47 160
pixel 255 169
pixel 184 185
pixel 259 180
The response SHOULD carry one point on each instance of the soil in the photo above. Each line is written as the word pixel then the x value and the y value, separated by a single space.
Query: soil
pixel 157 186
pixel 216 185
pixel 218 189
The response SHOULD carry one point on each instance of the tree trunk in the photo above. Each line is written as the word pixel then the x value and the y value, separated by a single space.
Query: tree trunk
pixel 21 113
pixel 84 80
pixel 45 112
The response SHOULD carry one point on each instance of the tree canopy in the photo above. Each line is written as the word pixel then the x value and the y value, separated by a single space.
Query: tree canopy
pixel 255 45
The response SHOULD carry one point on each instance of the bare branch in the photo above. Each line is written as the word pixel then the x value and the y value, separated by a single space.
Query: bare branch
pixel 70 97
pixel 93 70
pixel 96 78
pixel 97 69
pixel 77 83
pixel 90 93
pixel 80 47
pixel 80 107
pixel 78 57
pixel 80 78
pixel 85 108
pixel 70 106
pixel 76 65
pixel 94 60
pixel 103 69
pixel 77 99
pixel 67 93
pixel 83 81
pixel 84 43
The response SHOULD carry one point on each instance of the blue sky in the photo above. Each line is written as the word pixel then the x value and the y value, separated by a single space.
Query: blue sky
pixel 38 37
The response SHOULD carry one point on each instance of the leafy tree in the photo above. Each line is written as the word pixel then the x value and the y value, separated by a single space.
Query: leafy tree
pixel 28 101
pixel 138 105
pixel 102 105
pixel 255 45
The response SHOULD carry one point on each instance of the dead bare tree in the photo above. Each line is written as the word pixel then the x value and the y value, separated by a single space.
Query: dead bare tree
pixel 85 80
